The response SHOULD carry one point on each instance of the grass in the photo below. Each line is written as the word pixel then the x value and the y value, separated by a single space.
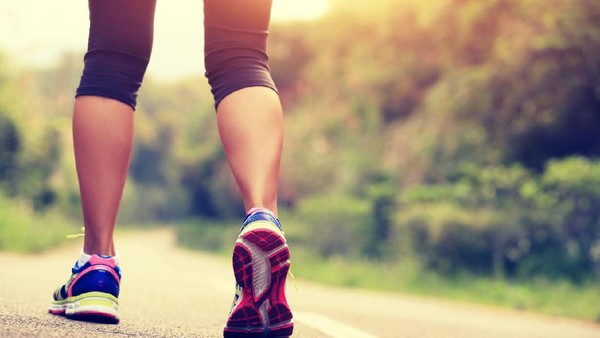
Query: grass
pixel 556 298
pixel 22 230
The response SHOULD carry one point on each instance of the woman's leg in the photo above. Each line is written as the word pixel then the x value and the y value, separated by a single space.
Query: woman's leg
pixel 119 48
pixel 248 108
pixel 251 128
pixel 250 122
pixel 103 136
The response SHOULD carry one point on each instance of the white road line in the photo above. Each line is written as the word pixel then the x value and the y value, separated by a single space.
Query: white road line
pixel 329 326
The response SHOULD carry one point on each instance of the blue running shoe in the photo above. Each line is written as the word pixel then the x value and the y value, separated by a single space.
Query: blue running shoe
pixel 261 261
pixel 91 294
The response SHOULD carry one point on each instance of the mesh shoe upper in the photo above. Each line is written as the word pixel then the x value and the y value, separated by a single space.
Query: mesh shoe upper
pixel 99 274
pixel 261 215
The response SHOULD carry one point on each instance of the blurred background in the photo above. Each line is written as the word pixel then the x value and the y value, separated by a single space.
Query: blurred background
pixel 442 147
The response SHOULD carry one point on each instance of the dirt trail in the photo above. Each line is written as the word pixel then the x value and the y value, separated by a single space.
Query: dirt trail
pixel 171 292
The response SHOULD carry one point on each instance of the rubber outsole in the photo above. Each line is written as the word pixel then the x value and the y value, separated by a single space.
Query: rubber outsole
pixel 96 307
pixel 261 264
pixel 94 317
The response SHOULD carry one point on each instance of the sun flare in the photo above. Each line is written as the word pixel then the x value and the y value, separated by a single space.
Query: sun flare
pixel 31 37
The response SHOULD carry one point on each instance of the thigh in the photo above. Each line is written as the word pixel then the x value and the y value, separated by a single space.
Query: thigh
pixel 243 15
pixel 122 25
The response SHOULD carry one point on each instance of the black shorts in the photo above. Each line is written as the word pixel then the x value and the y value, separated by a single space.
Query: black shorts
pixel 120 44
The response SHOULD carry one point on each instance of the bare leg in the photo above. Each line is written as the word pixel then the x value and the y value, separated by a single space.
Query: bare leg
pixel 103 138
pixel 251 127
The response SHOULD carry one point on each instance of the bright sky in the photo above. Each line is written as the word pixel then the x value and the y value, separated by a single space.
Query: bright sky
pixel 36 32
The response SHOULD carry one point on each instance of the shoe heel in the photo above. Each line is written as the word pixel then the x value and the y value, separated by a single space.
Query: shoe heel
pixel 279 310
pixel 97 307
pixel 261 261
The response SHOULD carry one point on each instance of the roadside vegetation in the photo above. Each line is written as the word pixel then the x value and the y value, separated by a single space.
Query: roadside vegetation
pixel 23 230
pixel 448 148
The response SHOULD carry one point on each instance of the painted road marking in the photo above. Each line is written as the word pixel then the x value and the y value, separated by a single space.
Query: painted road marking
pixel 329 326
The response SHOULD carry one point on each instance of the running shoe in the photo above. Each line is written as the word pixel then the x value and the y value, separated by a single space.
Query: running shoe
pixel 91 293
pixel 261 261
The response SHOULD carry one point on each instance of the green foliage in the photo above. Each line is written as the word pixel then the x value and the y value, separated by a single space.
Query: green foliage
pixel 9 148
pixel 451 239
pixel 382 195
pixel 507 222
pixel 23 230
pixel 334 225
pixel 31 180
pixel 32 135
pixel 578 197
pixel 533 97
pixel 207 234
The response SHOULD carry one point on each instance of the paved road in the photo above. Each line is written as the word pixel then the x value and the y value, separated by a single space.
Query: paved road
pixel 171 292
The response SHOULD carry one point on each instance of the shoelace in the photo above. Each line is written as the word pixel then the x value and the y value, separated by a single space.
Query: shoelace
pixel 293 279
pixel 82 234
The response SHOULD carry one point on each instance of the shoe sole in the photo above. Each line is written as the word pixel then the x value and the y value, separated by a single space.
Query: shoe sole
pixel 261 264
pixel 97 307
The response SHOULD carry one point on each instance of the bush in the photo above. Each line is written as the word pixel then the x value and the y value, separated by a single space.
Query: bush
pixel 207 234
pixel 335 225
pixel 451 239
pixel 575 182
pixel 504 221
pixel 22 230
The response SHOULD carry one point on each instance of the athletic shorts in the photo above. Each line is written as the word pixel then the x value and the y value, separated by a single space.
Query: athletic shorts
pixel 120 44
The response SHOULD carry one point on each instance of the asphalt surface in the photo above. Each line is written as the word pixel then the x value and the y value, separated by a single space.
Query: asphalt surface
pixel 171 292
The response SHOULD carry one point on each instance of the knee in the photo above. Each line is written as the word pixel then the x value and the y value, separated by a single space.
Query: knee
pixel 119 47
pixel 235 59
pixel 114 74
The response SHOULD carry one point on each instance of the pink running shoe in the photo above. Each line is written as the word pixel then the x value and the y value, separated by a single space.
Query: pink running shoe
pixel 261 261
pixel 91 294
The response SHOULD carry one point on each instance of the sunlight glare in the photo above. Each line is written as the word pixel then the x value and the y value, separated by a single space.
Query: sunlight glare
pixel 36 33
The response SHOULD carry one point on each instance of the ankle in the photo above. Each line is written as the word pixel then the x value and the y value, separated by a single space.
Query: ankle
pixel 92 248
pixel 268 207
pixel 257 209
pixel 85 257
